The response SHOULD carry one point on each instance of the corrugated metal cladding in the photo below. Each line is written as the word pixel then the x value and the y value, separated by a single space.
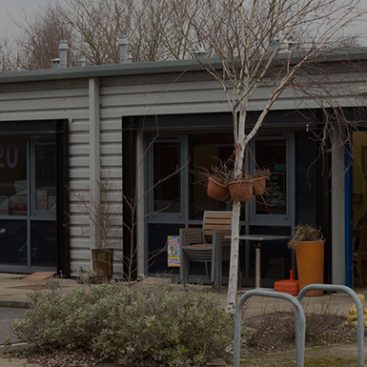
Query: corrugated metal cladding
pixel 176 93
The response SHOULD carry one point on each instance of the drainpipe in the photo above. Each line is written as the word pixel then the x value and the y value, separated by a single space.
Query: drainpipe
pixel 63 53
pixel 94 155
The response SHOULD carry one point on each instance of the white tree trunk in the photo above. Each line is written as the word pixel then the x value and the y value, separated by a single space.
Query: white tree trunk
pixel 236 213
pixel 233 267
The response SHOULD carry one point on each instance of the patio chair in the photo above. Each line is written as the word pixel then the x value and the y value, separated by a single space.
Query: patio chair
pixel 203 244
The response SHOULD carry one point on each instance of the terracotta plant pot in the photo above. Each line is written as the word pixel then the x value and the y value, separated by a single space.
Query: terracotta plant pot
pixel 310 264
pixel 102 261
pixel 241 190
pixel 216 190
pixel 259 185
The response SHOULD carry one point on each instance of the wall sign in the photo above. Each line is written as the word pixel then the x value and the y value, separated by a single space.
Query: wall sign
pixel 8 156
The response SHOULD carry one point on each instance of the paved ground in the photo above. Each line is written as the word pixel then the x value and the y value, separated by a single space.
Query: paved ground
pixel 15 292
pixel 7 316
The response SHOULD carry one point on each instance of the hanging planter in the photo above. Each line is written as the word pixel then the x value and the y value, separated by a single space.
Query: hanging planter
pixel 259 181
pixel 259 185
pixel 241 190
pixel 217 190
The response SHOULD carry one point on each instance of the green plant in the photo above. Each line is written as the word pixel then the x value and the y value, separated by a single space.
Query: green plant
pixel 305 232
pixel 138 325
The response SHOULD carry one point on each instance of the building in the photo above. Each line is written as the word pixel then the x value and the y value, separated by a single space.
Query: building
pixel 64 130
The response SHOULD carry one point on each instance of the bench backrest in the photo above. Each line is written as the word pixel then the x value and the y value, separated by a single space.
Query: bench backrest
pixel 215 220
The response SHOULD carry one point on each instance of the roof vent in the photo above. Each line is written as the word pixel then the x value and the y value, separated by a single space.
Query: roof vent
pixel 83 61
pixel 123 44
pixel 55 63
pixel 63 53
pixel 200 52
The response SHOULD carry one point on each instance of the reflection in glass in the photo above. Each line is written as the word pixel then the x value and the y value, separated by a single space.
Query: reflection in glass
pixel 43 243
pixel 13 175
pixel 204 152
pixel 13 242
pixel 167 191
pixel 272 154
pixel 45 177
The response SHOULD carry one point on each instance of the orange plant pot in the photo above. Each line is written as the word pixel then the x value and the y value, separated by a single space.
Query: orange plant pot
pixel 216 190
pixel 310 264
pixel 241 190
pixel 259 185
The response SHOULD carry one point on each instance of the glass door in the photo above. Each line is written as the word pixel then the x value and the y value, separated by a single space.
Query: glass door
pixel 165 190
pixel 14 200
pixel 43 229
pixel 28 234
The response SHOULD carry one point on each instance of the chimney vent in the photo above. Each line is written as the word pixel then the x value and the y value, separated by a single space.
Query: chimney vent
pixel 63 53
pixel 123 44
pixel 83 61
pixel 200 52
pixel 55 63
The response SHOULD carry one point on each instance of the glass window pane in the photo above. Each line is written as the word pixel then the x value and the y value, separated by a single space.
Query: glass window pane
pixel 43 243
pixel 167 193
pixel 272 154
pixel 13 175
pixel 13 242
pixel 204 152
pixel 45 177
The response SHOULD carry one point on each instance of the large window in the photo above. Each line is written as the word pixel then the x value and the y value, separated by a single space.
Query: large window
pixel 13 176
pixel 181 200
pixel 272 155
pixel 204 152
pixel 28 231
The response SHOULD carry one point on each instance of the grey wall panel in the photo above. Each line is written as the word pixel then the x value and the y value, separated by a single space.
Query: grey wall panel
pixel 57 100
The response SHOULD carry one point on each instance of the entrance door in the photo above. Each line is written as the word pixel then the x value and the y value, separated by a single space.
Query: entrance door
pixel 28 234
pixel 166 210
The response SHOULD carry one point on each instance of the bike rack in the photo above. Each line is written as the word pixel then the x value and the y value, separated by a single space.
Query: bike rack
pixel 360 320
pixel 300 323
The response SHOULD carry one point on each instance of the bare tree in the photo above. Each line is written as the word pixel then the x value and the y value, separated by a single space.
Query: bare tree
pixel 97 25
pixel 8 60
pixel 251 40
pixel 41 36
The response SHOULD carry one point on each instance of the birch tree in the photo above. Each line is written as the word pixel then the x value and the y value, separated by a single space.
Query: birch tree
pixel 257 43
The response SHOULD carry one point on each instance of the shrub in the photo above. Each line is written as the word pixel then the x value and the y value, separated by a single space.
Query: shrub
pixel 139 326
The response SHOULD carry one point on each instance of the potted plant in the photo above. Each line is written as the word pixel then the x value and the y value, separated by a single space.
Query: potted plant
pixel 100 218
pixel 308 242
pixel 259 181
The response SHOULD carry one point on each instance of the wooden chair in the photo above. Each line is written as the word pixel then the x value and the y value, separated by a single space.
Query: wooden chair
pixel 203 244
pixel 360 253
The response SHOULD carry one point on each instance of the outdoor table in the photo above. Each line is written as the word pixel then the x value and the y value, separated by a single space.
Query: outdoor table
pixel 259 239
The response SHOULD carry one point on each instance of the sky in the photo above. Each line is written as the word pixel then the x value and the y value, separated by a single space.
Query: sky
pixel 15 11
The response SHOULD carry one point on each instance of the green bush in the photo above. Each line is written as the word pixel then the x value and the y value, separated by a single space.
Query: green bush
pixel 139 326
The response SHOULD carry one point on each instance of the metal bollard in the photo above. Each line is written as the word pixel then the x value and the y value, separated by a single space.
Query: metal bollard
pixel 300 323
pixel 360 322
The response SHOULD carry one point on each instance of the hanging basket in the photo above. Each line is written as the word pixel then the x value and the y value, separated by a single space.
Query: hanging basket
pixel 259 185
pixel 216 190
pixel 241 190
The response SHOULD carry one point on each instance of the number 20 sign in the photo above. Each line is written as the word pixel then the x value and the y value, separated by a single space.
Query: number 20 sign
pixel 8 156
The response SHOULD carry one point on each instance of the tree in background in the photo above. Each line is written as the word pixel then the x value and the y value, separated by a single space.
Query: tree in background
pixel 40 38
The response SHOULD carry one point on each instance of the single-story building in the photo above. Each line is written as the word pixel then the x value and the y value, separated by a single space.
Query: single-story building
pixel 63 131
